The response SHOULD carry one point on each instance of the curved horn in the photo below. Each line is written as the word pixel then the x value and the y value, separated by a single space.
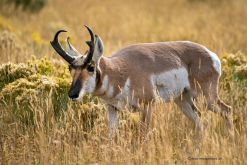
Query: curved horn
pixel 56 45
pixel 91 46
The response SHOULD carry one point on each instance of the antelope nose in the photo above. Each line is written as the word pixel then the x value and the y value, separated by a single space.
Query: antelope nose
pixel 73 96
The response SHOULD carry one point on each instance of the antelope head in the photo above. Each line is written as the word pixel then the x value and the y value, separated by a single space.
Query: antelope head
pixel 84 69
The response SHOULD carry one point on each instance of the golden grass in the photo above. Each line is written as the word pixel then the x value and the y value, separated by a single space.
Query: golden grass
pixel 79 135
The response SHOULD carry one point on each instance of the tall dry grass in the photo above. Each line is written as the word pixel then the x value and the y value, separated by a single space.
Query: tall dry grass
pixel 39 125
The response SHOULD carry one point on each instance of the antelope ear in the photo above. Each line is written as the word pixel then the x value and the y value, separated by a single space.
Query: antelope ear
pixel 98 50
pixel 70 49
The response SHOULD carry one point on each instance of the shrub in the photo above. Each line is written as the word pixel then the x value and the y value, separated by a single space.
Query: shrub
pixel 235 67
pixel 41 85
pixel 26 85
pixel 28 5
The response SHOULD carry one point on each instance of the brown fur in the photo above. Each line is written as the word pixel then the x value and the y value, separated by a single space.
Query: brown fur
pixel 139 61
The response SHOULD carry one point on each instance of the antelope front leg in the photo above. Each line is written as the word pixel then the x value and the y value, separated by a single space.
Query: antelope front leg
pixel 113 120
pixel 145 118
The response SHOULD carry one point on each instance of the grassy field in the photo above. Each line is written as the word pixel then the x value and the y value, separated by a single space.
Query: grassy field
pixel 40 125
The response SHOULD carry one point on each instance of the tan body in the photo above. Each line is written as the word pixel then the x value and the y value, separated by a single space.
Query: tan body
pixel 139 62
pixel 138 66
pixel 138 75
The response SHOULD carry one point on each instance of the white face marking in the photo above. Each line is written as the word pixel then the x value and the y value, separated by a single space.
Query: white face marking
pixel 90 84
pixel 216 60
pixel 81 94
pixel 79 61
pixel 87 87
pixel 170 84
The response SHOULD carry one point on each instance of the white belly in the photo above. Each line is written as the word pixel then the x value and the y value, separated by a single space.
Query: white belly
pixel 170 84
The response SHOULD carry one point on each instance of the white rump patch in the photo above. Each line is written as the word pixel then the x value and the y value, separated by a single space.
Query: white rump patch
pixel 215 59
pixel 170 84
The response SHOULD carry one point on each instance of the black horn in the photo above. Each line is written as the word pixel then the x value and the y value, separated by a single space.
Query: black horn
pixel 56 45
pixel 91 46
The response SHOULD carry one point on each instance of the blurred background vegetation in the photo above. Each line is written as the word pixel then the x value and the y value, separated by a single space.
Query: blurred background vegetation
pixel 31 5
pixel 39 124
pixel 220 25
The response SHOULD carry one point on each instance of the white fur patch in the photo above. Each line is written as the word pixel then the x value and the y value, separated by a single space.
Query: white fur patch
pixel 123 97
pixel 90 84
pixel 216 60
pixel 105 84
pixel 106 87
pixel 81 94
pixel 121 100
pixel 110 91
pixel 125 91
pixel 170 84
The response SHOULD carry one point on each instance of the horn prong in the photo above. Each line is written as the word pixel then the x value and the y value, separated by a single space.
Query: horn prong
pixel 70 48
pixel 67 40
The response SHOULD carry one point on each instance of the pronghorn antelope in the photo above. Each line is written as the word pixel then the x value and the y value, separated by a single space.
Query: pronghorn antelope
pixel 141 73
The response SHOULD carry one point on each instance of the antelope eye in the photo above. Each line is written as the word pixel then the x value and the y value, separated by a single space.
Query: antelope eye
pixel 90 68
